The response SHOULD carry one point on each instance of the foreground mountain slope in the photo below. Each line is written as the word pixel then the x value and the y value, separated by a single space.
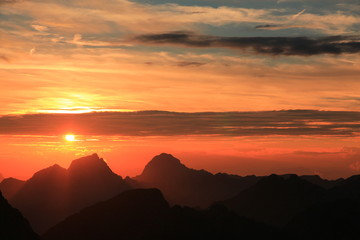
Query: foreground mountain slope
pixel 275 199
pixel 13 226
pixel 55 192
pixel 185 186
pixel 144 214
pixel 330 220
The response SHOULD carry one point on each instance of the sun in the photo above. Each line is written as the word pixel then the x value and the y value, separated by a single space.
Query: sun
pixel 70 137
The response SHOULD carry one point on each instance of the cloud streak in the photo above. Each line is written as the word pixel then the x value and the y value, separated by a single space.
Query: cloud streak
pixel 303 46
pixel 161 123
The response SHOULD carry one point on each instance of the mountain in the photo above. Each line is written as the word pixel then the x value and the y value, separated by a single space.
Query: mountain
pixel 1 177
pixel 91 180
pixel 275 199
pixel 55 192
pixel 145 214
pixel 330 220
pixel 10 186
pixel 185 186
pixel 42 199
pixel 13 226
pixel 347 189
pixel 324 183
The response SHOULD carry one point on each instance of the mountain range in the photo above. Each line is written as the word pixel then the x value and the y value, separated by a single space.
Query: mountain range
pixel 145 214
pixel 54 193
pixel 171 201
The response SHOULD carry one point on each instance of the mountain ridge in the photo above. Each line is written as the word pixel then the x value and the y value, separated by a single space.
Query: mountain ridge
pixel 87 181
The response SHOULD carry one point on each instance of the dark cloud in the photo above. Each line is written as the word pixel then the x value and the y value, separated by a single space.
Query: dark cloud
pixel 261 45
pixel 266 26
pixel 4 58
pixel 188 64
pixel 160 123
pixel 8 1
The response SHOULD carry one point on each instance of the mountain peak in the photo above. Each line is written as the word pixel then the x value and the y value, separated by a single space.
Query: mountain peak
pixel 92 161
pixel 165 158
pixel 53 170
pixel 163 163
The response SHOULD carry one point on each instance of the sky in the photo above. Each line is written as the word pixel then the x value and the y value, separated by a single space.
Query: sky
pixel 245 87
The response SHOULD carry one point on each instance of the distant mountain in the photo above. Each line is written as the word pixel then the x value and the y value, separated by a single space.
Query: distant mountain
pixel 10 186
pixel 275 199
pixel 144 214
pixel 185 186
pixel 13 226
pixel 1 177
pixel 347 189
pixel 328 220
pixel 55 192
pixel 324 183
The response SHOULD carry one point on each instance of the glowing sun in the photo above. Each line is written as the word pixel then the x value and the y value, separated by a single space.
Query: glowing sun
pixel 70 137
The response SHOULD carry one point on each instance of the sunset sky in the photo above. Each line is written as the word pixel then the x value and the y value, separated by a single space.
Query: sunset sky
pixel 245 87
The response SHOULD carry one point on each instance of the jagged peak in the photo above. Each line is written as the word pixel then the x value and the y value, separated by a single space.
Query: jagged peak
pixel 87 161
pixel 89 165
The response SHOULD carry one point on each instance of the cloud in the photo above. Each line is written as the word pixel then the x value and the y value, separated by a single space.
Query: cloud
pixel 161 123
pixel 262 45
pixel 5 58
pixel 298 14
pixel 40 28
pixel 7 1
pixel 32 51
pixel 188 64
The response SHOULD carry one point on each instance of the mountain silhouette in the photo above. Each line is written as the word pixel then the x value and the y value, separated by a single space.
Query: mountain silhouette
pixel 10 186
pixel 145 214
pixel 13 226
pixel 347 189
pixel 324 183
pixel 275 199
pixel 90 180
pixel 55 192
pixel 42 198
pixel 185 186
pixel 330 220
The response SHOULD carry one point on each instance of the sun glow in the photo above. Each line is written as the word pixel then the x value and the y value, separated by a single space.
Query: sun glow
pixel 70 137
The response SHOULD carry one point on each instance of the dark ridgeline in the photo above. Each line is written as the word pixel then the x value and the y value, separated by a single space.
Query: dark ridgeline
pixel 145 214
pixel 338 217
pixel 13 226
pixel 275 200
pixel 55 192
pixel 324 183
pixel 185 186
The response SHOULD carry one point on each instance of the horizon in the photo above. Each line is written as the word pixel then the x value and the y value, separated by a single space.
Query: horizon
pixel 181 161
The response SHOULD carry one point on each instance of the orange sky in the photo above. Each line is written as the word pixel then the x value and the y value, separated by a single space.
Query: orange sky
pixel 183 56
